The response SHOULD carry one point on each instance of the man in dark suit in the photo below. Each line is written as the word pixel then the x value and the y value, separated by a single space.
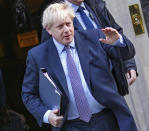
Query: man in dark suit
pixel 79 65
pixel 101 18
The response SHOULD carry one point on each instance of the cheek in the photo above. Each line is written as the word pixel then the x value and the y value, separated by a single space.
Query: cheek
pixel 71 29
pixel 59 33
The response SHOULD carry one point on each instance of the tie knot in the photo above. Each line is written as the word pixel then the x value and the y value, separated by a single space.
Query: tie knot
pixel 67 48
pixel 80 9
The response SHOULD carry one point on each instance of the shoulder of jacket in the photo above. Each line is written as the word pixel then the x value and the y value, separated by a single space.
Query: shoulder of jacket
pixel 98 5
pixel 40 47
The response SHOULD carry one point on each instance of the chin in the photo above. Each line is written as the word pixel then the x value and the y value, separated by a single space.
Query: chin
pixel 68 41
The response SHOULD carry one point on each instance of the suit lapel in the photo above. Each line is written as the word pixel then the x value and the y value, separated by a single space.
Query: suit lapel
pixel 83 53
pixel 96 3
pixel 55 69
pixel 92 11
pixel 77 25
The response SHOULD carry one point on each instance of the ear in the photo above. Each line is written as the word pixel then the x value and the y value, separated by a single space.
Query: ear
pixel 48 30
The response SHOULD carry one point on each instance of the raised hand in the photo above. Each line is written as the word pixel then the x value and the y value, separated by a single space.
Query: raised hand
pixel 111 34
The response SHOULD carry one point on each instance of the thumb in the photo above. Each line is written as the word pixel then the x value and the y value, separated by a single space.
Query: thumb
pixel 127 75
pixel 103 41
pixel 55 111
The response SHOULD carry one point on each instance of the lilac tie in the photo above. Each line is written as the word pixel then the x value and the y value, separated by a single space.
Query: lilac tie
pixel 80 98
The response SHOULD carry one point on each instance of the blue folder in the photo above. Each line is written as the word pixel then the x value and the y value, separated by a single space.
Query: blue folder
pixel 49 93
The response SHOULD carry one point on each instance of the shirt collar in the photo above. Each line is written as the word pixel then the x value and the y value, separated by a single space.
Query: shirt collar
pixel 75 7
pixel 60 47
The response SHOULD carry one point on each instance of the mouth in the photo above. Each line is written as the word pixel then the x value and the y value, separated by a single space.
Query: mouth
pixel 67 36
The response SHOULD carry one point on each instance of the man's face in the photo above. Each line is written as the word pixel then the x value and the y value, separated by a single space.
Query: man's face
pixel 76 2
pixel 63 31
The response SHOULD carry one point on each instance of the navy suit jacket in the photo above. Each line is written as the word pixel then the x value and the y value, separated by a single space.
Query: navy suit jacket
pixel 93 57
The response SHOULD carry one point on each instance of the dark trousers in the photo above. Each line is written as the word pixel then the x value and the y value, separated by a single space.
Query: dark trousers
pixel 103 121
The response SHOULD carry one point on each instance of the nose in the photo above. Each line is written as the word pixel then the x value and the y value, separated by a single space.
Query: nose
pixel 66 29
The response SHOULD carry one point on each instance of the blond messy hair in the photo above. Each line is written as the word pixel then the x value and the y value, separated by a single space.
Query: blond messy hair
pixel 56 12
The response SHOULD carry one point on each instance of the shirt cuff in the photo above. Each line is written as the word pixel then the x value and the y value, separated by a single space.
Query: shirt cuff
pixel 120 42
pixel 46 116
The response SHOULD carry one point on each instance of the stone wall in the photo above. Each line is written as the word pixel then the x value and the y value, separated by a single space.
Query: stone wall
pixel 138 99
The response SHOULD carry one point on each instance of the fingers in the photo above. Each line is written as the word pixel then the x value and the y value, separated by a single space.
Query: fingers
pixel 131 76
pixel 110 31
pixel 127 75
pixel 103 41
pixel 111 35
pixel 54 119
